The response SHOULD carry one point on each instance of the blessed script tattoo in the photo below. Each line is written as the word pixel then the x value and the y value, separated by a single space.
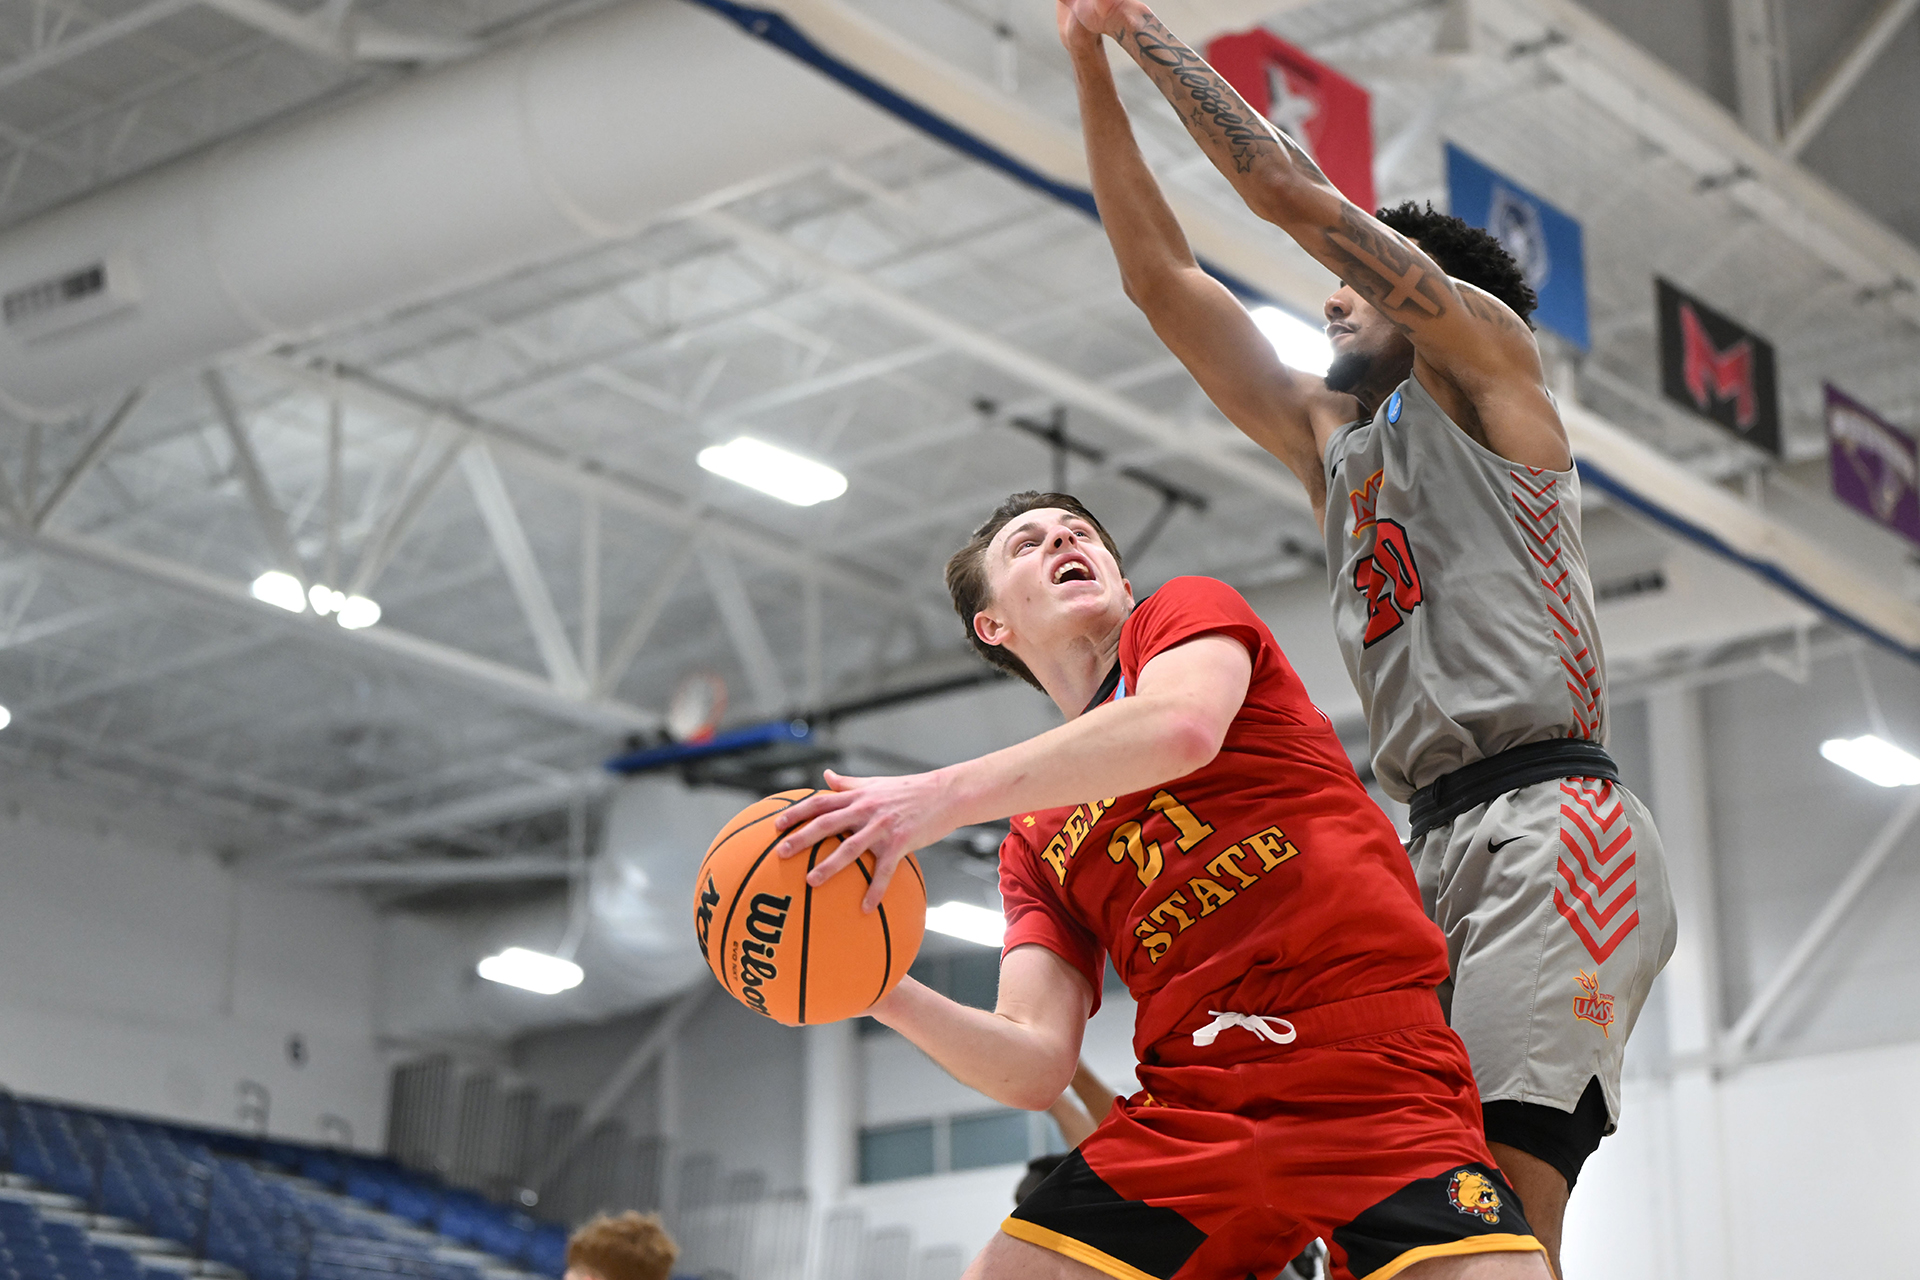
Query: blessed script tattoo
pixel 1214 114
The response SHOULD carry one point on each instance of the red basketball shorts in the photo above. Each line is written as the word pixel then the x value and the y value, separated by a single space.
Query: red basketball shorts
pixel 1238 1153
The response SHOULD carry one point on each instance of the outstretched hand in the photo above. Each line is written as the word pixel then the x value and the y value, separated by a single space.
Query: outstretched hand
pixel 1074 34
pixel 887 817
pixel 1083 22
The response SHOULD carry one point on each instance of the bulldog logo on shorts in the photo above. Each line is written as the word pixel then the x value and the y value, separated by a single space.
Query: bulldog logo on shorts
pixel 1474 1193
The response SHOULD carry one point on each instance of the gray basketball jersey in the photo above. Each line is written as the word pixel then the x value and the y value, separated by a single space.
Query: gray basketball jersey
pixel 1461 596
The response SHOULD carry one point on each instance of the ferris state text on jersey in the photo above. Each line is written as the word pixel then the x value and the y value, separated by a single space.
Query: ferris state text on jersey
pixel 1194 897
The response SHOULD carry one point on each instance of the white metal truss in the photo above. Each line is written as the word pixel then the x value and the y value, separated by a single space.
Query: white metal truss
pixel 892 314
pixel 1845 74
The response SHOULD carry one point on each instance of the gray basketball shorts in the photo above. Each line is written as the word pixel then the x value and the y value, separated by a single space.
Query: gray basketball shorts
pixel 1558 916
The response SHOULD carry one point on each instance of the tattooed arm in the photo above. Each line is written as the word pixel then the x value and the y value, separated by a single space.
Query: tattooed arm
pixel 1472 352
pixel 1286 412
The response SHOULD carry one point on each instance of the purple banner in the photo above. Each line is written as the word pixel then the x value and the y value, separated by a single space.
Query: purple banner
pixel 1876 466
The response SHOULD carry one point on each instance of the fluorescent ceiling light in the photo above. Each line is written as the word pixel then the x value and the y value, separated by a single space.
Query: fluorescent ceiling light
pixel 6 717
pixel 1875 759
pixel 281 590
pixel 774 471
pixel 355 612
pixel 969 923
pixel 531 971
pixel 1297 343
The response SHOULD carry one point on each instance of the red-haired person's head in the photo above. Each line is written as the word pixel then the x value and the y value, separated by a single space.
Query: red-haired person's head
pixel 632 1246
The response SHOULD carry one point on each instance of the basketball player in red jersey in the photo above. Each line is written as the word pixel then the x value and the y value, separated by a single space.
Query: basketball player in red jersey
pixel 1196 821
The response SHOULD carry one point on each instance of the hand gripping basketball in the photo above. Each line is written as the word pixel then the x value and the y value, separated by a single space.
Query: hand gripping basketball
pixel 887 817
pixel 796 952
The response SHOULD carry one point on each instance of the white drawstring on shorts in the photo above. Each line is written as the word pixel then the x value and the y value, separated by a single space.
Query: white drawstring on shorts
pixel 1259 1024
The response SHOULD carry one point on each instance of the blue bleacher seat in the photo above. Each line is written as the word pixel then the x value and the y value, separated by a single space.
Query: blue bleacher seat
pixel 222 1196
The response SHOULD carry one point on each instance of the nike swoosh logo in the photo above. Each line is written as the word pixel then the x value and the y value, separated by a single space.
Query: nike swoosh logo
pixel 1495 847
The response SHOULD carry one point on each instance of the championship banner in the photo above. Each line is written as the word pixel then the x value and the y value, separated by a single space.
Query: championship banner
pixel 1547 243
pixel 1713 366
pixel 1876 466
pixel 1329 115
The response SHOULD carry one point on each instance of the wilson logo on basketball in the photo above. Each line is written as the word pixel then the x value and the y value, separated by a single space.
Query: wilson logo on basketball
pixel 703 918
pixel 1596 1006
pixel 766 921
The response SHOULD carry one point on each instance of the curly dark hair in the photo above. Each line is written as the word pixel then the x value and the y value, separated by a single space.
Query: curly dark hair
pixel 1465 252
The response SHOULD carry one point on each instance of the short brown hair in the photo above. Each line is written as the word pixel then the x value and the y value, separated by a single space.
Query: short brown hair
pixel 633 1246
pixel 967 570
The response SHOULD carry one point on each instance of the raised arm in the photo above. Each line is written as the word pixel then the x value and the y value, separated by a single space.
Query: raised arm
pixel 1195 315
pixel 1172 724
pixel 1470 340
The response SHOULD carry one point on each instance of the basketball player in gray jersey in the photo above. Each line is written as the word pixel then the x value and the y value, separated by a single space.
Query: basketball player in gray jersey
pixel 1442 478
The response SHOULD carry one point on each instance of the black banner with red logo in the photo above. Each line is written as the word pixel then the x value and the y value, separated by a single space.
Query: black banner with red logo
pixel 1718 369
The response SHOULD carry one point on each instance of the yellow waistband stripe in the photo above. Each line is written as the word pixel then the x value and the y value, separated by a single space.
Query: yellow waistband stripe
pixel 1503 1242
pixel 1078 1250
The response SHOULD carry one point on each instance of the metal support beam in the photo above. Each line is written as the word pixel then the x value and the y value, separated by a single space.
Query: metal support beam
pixel 523 570
pixel 24 634
pixel 1689 989
pixel 634 638
pixel 590 529
pixel 354 39
pixel 743 628
pixel 10 498
pixel 273 521
pixel 104 33
pixel 100 686
pixel 437 871
pixel 1845 74
pixel 1759 67
pixel 1223 451
pixel 1648 97
pixel 494 678
pixel 399 519
pixel 485 809
pixel 625 1076
pixel 1824 925
pixel 96 449
pixel 586 475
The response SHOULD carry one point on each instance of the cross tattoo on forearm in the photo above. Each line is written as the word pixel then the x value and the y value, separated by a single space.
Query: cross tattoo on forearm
pixel 1405 283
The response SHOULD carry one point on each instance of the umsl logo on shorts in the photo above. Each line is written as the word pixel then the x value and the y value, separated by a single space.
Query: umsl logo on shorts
pixel 1473 1193
pixel 766 921
pixel 1596 1006
pixel 703 918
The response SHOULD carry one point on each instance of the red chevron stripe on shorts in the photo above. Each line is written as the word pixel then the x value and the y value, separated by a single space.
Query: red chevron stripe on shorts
pixel 1598 880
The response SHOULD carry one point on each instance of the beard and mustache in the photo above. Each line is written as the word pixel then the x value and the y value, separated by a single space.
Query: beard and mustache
pixel 1349 371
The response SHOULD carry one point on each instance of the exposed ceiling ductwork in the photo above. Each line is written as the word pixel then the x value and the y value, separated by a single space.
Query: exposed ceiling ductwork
pixel 512 158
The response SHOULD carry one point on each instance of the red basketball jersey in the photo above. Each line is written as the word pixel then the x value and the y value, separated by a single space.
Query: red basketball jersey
pixel 1264 881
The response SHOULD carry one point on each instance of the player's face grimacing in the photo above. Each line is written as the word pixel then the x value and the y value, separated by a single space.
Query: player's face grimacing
pixel 1051 580
pixel 1367 347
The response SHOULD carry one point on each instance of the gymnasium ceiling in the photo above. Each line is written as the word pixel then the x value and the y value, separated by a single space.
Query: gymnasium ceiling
pixel 581 563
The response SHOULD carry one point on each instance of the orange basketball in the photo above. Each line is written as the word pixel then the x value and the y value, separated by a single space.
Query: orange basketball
pixel 786 949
